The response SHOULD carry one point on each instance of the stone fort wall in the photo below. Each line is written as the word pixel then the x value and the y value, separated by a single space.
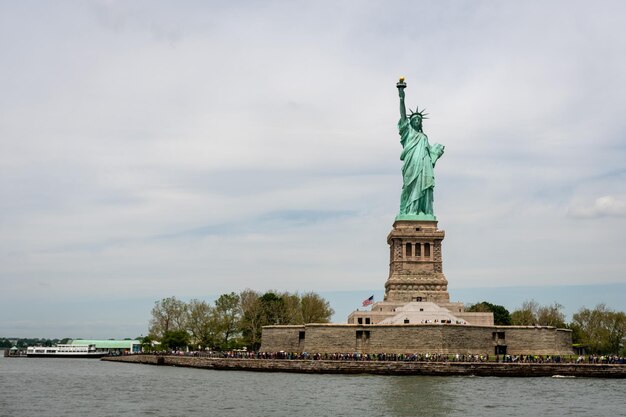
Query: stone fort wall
pixel 418 338
pixel 382 367
pixel 287 338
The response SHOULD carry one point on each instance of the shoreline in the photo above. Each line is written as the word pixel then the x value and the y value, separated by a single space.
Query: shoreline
pixel 501 369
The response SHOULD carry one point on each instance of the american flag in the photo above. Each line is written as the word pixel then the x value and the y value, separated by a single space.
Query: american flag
pixel 368 301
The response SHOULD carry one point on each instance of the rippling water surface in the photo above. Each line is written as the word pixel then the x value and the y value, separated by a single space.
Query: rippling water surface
pixel 87 387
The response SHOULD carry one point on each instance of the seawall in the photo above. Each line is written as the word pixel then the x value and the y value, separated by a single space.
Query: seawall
pixel 383 367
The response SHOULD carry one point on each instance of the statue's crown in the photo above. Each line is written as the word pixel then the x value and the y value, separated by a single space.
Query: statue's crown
pixel 418 113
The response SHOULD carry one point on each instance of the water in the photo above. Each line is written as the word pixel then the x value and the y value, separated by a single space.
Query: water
pixel 87 387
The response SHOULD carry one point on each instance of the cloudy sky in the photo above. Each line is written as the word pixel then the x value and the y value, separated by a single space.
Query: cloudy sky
pixel 190 148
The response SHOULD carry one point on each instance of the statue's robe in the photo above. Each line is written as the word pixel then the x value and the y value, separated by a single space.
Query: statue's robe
pixel 418 170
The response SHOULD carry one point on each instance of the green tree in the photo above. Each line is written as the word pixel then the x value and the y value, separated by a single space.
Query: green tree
pixel 252 319
pixel 25 342
pixel 501 315
pixel 175 339
pixel 273 309
pixel 532 313
pixel 551 315
pixel 5 343
pixel 258 311
pixel 200 323
pixel 292 308
pixel 227 316
pixel 146 343
pixel 167 315
pixel 601 330
pixel 525 315
pixel 315 309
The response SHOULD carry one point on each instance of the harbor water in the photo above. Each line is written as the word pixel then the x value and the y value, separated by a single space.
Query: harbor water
pixel 79 387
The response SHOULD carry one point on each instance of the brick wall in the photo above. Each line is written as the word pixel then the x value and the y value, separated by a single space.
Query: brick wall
pixel 330 338
pixel 277 338
pixel 421 338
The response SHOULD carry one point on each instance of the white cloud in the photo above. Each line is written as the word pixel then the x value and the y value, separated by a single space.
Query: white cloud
pixel 600 207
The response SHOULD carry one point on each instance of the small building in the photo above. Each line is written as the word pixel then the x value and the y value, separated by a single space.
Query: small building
pixel 424 312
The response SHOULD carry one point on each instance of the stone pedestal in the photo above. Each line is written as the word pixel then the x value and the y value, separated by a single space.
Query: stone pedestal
pixel 415 265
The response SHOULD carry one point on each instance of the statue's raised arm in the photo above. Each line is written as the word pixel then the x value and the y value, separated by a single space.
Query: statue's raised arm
pixel 401 86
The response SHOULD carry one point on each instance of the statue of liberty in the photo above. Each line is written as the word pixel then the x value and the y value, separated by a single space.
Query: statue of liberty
pixel 416 202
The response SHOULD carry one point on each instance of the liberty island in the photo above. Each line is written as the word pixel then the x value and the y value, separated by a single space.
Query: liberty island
pixel 416 329
pixel 416 314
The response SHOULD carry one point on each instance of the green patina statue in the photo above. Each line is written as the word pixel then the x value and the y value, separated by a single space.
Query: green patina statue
pixel 416 202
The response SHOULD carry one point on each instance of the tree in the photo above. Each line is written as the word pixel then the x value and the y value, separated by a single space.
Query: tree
pixel 200 323
pixel 258 311
pixel 146 344
pixel 175 339
pixel 501 315
pixel 601 330
pixel 226 319
pixel 167 315
pixel 235 319
pixel 532 313
pixel 273 309
pixel 292 308
pixel 315 309
pixel 526 315
pixel 251 322
pixel 551 315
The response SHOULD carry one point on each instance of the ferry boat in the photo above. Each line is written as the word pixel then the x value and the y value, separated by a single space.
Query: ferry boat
pixel 64 351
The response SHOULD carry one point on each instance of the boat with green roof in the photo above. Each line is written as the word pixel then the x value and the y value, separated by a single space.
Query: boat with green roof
pixel 65 351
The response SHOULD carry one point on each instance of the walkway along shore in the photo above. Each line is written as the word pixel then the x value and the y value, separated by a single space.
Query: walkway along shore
pixel 382 367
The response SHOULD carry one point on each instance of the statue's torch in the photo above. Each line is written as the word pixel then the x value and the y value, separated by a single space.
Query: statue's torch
pixel 401 84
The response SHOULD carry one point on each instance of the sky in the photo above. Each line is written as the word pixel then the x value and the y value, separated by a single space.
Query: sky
pixel 151 149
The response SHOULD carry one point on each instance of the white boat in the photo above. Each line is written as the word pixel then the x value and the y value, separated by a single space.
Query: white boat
pixel 64 351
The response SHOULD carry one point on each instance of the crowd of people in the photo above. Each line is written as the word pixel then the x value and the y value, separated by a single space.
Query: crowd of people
pixel 409 357
pixel 602 359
